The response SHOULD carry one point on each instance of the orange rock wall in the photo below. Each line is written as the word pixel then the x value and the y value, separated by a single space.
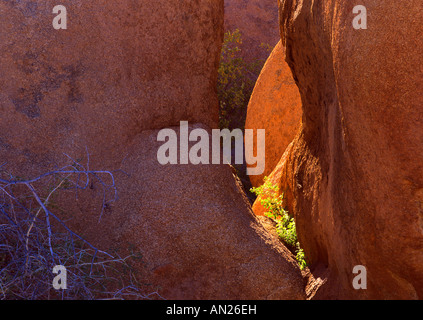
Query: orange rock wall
pixel 275 106
pixel 357 165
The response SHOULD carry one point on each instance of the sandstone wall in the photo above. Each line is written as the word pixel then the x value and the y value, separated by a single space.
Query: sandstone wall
pixel 356 168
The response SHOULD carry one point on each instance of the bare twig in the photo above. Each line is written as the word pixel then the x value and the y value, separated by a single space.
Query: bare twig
pixel 30 246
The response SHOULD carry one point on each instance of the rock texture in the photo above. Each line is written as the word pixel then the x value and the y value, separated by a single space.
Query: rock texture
pixel 118 69
pixel 275 106
pixel 118 74
pixel 356 169
pixel 195 229
pixel 258 22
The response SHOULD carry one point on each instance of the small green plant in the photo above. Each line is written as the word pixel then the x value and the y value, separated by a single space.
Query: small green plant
pixel 235 84
pixel 300 257
pixel 285 224
pixel 236 80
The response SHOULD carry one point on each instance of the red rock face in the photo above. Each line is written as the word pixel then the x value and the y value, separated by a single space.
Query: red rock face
pixel 118 69
pixel 258 22
pixel 275 106
pixel 357 166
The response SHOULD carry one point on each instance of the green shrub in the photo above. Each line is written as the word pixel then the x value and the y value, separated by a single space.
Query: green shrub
pixel 285 224
pixel 236 80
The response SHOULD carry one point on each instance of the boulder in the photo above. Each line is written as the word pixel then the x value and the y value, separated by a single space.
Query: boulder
pixel 118 69
pixel 107 84
pixel 193 226
pixel 356 168
pixel 275 106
